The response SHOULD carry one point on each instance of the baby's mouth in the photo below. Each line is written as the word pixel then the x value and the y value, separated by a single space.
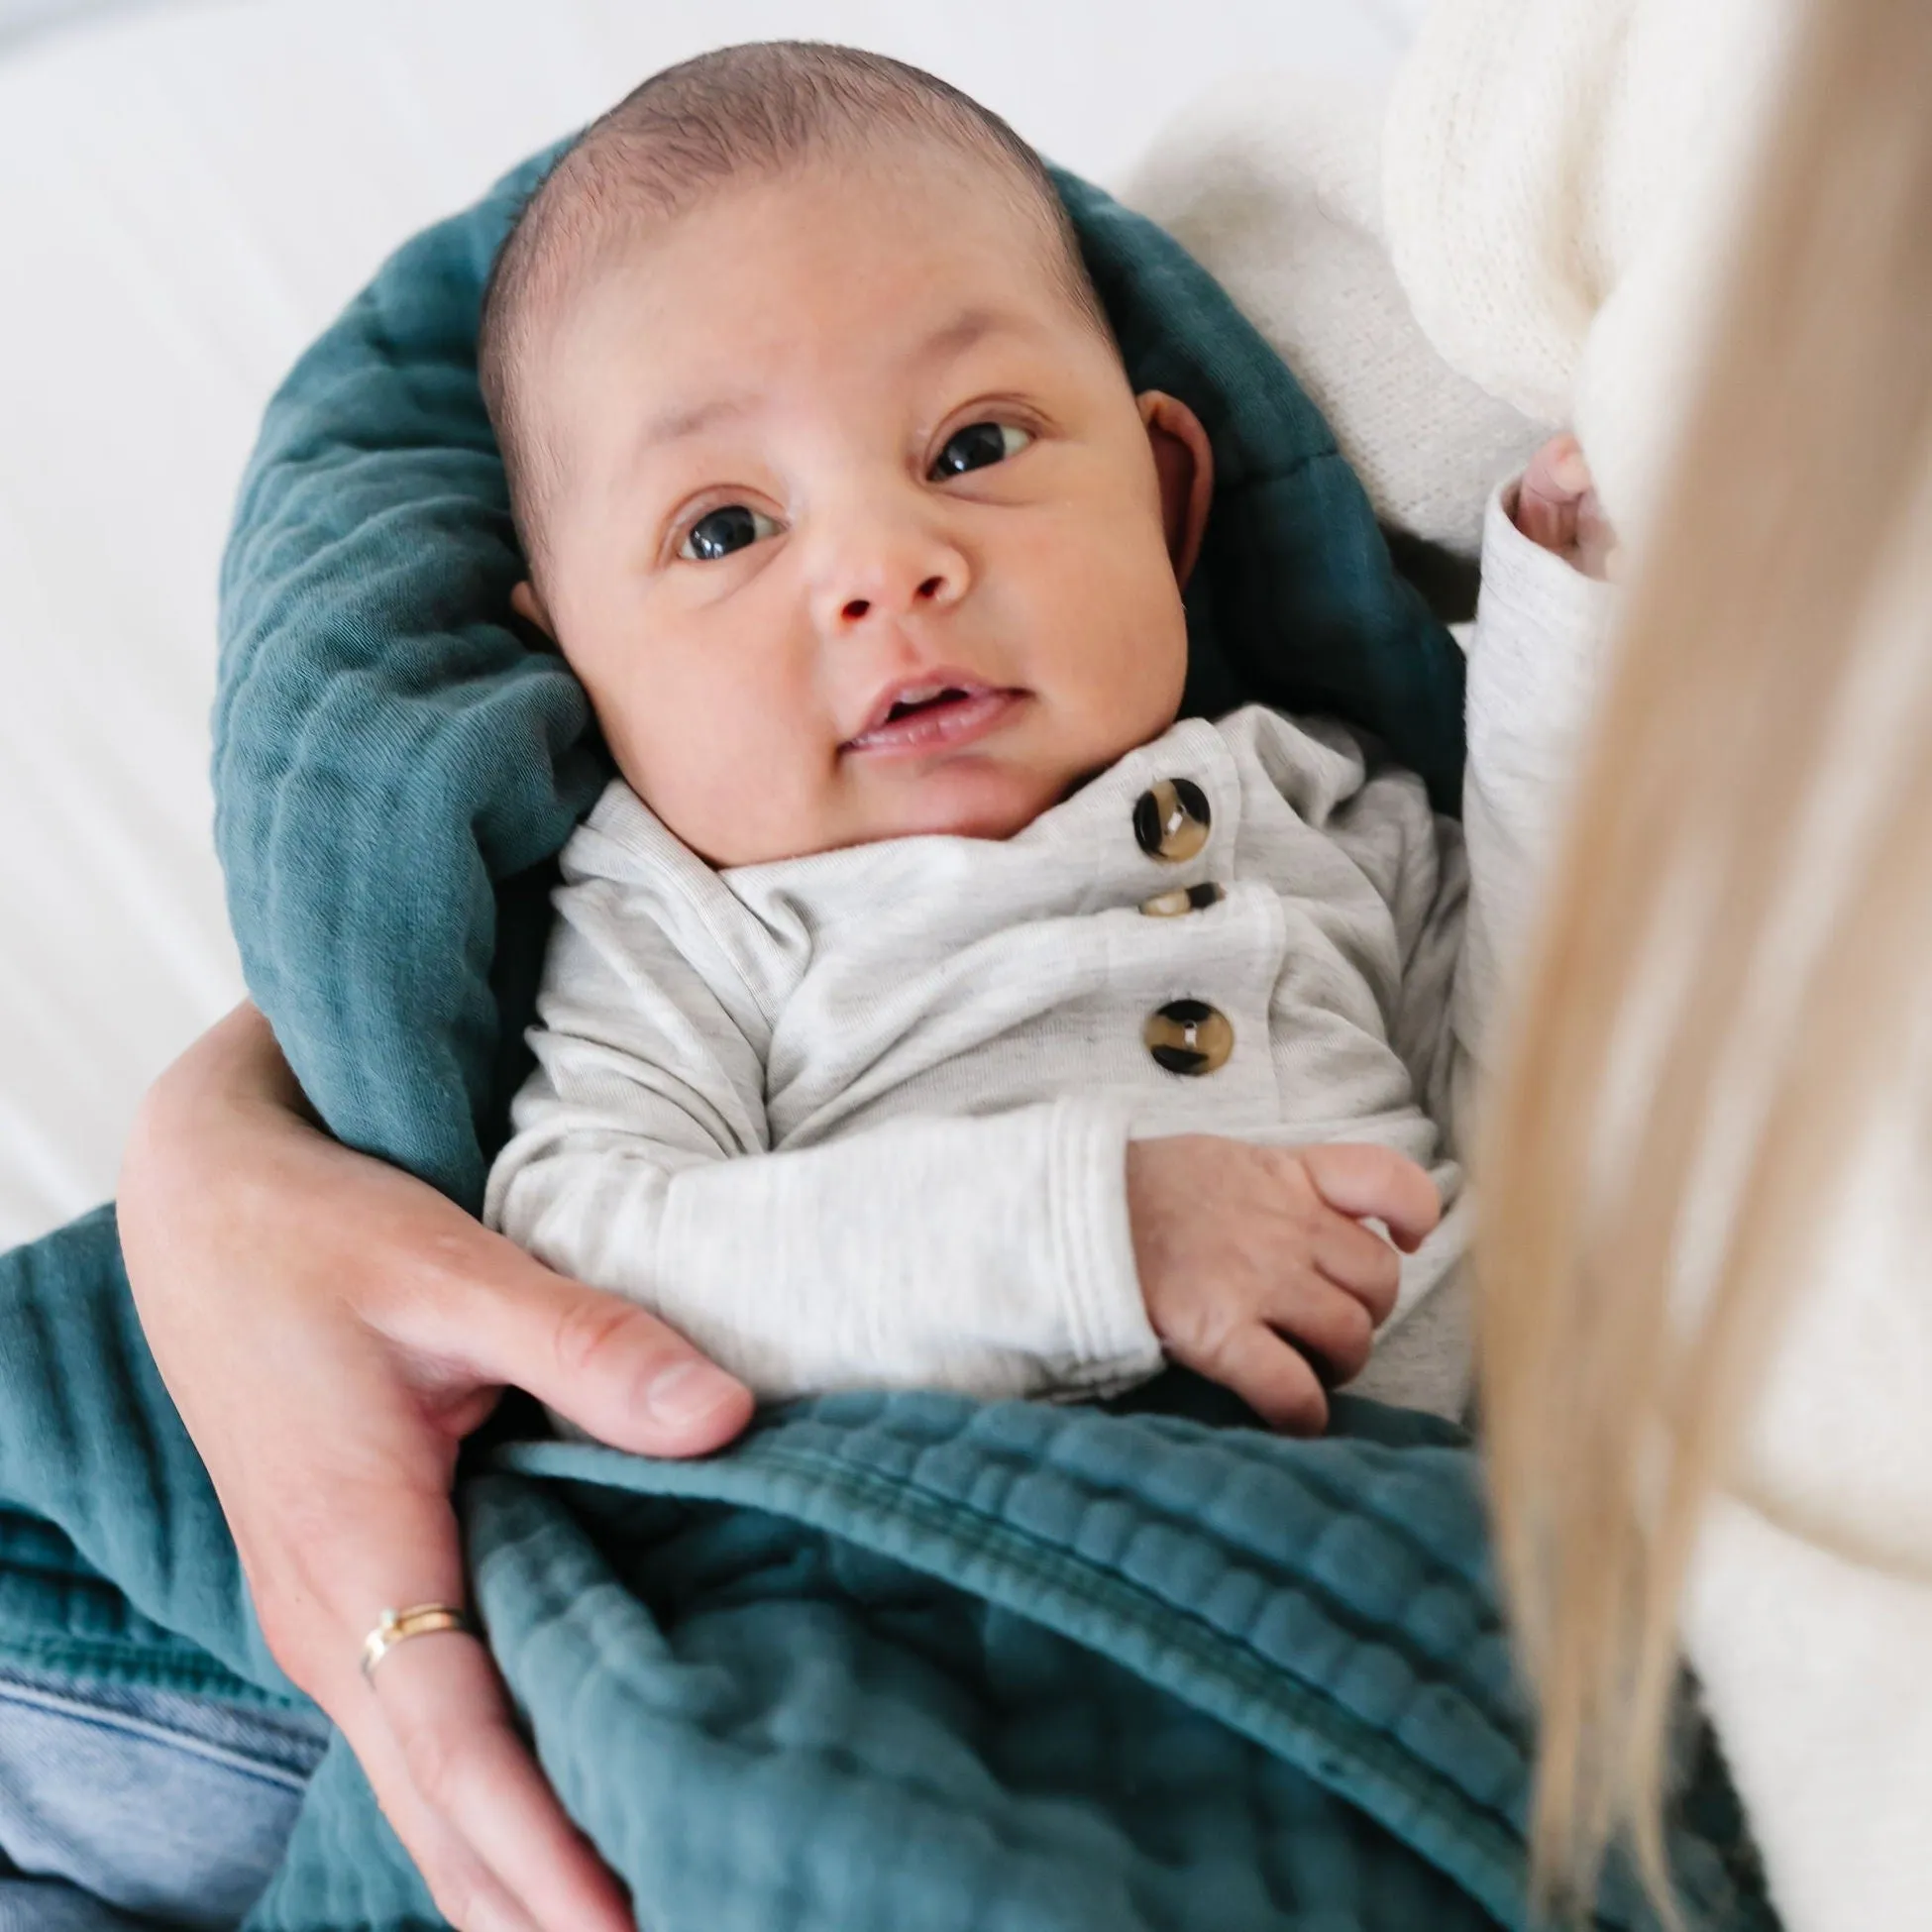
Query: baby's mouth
pixel 932 715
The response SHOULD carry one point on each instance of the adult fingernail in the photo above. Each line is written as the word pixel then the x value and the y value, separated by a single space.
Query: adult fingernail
pixel 688 1391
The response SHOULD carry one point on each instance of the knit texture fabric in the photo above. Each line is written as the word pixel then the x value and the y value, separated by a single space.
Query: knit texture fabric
pixel 1561 181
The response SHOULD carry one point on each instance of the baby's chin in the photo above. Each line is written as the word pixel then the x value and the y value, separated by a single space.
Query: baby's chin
pixel 989 805
pixel 964 799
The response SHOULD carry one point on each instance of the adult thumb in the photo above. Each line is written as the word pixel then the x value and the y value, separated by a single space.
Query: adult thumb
pixel 611 1367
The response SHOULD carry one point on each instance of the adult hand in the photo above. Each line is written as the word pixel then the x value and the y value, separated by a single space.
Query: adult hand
pixel 330 1330
pixel 1256 1269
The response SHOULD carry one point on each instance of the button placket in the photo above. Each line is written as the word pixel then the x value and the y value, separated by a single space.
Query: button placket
pixel 1172 820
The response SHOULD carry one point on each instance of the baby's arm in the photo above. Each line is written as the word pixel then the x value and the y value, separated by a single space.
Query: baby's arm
pixel 989 1254
pixel 1461 896
pixel 1534 661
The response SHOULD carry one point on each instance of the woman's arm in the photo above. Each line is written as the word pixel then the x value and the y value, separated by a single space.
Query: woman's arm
pixel 330 1330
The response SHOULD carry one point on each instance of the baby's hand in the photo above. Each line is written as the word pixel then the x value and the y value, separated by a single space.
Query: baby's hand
pixel 1256 1269
pixel 1557 507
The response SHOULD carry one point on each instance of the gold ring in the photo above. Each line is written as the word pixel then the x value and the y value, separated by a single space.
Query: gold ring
pixel 398 1626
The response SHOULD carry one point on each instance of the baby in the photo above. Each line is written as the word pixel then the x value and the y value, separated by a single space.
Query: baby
pixel 926 1005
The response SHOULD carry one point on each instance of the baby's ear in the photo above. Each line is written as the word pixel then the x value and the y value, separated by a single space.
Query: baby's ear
pixel 529 606
pixel 1184 462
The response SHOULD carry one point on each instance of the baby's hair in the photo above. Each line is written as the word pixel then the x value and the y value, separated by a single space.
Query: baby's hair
pixel 763 108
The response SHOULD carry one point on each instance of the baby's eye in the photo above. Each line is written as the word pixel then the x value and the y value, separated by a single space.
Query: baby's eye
pixel 718 534
pixel 978 445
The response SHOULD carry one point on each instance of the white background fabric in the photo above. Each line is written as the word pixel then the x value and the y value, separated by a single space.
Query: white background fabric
pixel 187 194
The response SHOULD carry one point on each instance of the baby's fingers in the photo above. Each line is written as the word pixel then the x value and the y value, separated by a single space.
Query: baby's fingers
pixel 1272 1379
pixel 1557 506
pixel 1331 1327
pixel 1358 1261
pixel 1376 1184
pixel 1554 480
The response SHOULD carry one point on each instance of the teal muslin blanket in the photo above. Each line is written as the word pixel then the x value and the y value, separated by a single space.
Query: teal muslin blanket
pixel 893 1664
pixel 890 1664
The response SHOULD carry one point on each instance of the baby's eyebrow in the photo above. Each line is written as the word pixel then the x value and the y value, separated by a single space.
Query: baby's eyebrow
pixel 687 418
pixel 967 328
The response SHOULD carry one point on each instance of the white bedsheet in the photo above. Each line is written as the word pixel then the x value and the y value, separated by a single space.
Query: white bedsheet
pixel 186 197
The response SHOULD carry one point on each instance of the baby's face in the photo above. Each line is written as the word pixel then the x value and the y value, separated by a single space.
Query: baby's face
pixel 861 531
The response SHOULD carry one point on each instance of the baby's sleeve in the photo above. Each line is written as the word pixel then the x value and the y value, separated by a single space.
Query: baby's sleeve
pixel 1535 660
pixel 1462 897
pixel 989 1254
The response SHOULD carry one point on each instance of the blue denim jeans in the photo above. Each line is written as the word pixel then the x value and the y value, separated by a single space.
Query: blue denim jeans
pixel 121 1806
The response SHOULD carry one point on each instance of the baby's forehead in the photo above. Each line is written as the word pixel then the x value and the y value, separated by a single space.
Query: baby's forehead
pixel 749 250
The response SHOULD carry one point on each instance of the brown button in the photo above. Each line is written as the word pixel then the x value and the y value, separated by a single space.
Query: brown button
pixel 1171 818
pixel 1183 898
pixel 1189 1036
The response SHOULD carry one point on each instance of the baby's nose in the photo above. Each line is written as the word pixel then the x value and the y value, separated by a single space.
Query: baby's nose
pixel 929 590
pixel 888 567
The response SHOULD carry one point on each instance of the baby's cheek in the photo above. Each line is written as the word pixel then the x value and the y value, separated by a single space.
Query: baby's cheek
pixel 1115 609
pixel 1138 672
pixel 748 782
